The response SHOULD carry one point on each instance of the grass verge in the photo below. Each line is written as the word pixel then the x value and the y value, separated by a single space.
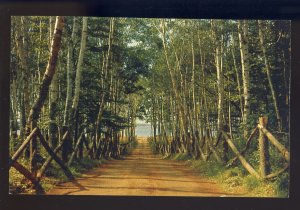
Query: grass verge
pixel 237 180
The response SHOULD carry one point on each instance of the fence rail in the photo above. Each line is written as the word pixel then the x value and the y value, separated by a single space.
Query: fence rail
pixel 264 138
pixel 36 176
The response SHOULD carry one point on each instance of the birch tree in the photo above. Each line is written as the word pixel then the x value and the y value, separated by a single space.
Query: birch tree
pixel 243 43
pixel 220 81
pixel 44 89
pixel 268 70
pixel 21 50
pixel 70 68
pixel 79 69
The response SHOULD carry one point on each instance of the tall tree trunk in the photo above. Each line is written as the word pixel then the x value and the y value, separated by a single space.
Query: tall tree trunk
pixel 53 99
pixel 202 90
pixel 21 49
pixel 220 83
pixel 220 80
pixel 49 73
pixel 39 53
pixel 72 114
pixel 183 124
pixel 79 68
pixel 13 115
pixel 70 69
pixel 243 42
pixel 269 76
pixel 53 127
pixel 104 68
pixel 196 122
pixel 237 77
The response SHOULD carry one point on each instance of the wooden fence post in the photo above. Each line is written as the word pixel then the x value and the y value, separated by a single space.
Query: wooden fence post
pixel 264 164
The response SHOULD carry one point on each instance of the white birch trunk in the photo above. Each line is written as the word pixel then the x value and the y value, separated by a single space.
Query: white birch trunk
pixel 70 68
pixel 243 42
pixel 79 66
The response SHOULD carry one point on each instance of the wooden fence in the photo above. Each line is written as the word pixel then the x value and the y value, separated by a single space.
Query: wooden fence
pixel 265 137
pixel 206 148
pixel 35 176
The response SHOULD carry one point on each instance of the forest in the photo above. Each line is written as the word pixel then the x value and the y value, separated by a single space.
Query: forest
pixel 214 91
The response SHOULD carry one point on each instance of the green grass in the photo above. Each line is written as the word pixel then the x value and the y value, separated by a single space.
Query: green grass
pixel 237 179
pixel 210 169
pixel 181 157
pixel 132 146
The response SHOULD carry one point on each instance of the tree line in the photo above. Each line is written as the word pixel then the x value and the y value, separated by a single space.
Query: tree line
pixel 191 79
pixel 73 74
pixel 213 75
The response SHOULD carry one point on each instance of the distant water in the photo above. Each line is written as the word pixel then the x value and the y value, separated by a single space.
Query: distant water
pixel 143 130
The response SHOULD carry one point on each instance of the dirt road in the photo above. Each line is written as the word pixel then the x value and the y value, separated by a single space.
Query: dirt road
pixel 141 173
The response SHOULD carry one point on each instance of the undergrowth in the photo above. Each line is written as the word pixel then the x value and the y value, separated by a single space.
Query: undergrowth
pixel 237 180
pixel 131 147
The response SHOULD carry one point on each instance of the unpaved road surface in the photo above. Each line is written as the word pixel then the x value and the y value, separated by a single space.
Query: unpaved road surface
pixel 143 174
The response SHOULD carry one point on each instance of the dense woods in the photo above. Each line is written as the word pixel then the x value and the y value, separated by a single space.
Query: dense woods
pixel 202 84
pixel 219 74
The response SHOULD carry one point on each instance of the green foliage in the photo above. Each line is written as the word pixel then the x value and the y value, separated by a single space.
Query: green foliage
pixel 237 180
pixel 251 182
pixel 84 164
pixel 131 146
pixel 233 182
pixel 236 171
pixel 282 183
pixel 114 121
pixel 181 156
pixel 209 168
pixel 153 145
pixel 134 79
